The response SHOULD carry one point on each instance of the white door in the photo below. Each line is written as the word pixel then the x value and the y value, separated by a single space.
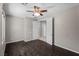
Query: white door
pixel 36 30
pixel 43 30
pixel 2 32
pixel 49 31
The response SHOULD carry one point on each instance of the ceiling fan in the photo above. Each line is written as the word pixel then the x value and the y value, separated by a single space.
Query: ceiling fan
pixel 37 11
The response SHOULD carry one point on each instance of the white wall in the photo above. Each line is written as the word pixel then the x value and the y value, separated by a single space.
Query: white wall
pixel 67 29
pixel 18 29
pixel 28 29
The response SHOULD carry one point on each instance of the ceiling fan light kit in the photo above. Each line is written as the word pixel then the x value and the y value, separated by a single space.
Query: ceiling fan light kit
pixel 36 14
pixel 37 11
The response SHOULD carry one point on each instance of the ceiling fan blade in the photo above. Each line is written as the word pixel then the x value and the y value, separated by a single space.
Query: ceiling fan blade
pixel 36 7
pixel 43 11
pixel 29 11
pixel 41 14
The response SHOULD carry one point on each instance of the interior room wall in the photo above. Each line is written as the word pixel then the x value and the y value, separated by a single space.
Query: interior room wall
pixel 18 29
pixel 28 29
pixel 67 29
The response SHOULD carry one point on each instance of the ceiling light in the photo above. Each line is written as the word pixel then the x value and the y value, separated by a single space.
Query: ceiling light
pixel 36 14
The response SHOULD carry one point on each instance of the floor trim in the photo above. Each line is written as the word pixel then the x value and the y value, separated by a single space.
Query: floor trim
pixel 66 48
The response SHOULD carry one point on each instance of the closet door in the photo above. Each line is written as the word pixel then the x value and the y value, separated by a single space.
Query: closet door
pixel 2 31
pixel 49 30
pixel 43 30
pixel 36 30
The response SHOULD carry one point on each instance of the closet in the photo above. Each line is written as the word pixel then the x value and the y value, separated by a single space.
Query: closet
pixel 42 29
pixel 2 30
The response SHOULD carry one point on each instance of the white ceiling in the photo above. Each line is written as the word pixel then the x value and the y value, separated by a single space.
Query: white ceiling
pixel 19 10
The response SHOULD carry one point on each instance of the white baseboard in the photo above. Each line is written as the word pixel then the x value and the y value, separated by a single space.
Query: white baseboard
pixel 17 41
pixel 66 48
pixel 13 41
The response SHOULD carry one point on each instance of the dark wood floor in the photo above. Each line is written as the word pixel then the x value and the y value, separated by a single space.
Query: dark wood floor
pixel 35 48
pixel 58 51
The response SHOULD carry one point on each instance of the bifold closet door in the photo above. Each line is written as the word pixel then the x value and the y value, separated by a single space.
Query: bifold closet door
pixel 36 30
pixel 2 31
pixel 43 30
pixel 49 37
